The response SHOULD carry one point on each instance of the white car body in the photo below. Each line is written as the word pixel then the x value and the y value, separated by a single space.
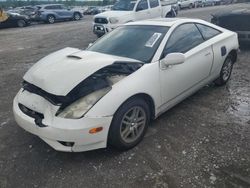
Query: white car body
pixel 109 20
pixel 61 71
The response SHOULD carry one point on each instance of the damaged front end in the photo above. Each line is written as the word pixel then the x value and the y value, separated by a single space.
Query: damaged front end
pixel 88 92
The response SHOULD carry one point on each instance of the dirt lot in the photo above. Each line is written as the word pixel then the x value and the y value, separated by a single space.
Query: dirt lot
pixel 202 142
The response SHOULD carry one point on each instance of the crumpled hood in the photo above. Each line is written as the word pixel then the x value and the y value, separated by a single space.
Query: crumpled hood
pixel 114 13
pixel 59 72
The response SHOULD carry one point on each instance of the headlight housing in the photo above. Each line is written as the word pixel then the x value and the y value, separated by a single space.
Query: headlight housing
pixel 80 107
pixel 113 20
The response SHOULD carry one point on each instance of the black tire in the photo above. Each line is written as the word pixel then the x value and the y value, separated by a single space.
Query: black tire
pixel 77 16
pixel 99 35
pixel 21 23
pixel 169 15
pixel 115 132
pixel 51 19
pixel 225 72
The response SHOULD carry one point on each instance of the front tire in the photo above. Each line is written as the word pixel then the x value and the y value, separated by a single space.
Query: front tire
pixel 77 16
pixel 225 72
pixel 129 124
pixel 51 19
pixel 21 23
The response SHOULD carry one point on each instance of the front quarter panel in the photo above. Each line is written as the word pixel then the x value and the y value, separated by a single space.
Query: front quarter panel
pixel 145 80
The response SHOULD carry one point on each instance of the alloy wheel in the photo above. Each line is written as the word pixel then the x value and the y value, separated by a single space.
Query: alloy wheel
pixel 132 124
pixel 227 69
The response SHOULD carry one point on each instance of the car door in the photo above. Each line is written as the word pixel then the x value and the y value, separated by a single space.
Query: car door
pixel 155 9
pixel 58 10
pixel 67 13
pixel 176 80
pixel 142 10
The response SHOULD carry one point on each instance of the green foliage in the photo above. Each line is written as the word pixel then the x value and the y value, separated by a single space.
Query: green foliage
pixel 19 3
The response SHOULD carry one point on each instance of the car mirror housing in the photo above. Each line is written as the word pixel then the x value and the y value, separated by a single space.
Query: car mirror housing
pixel 173 59
pixel 90 44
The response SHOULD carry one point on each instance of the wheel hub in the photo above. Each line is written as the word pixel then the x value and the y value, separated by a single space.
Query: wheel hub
pixel 132 125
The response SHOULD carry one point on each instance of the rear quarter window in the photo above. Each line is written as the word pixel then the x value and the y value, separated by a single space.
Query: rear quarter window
pixel 207 32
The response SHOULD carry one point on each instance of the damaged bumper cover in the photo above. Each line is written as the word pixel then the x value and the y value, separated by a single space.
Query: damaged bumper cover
pixel 58 132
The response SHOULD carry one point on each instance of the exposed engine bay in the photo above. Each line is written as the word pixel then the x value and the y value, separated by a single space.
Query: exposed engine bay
pixel 103 78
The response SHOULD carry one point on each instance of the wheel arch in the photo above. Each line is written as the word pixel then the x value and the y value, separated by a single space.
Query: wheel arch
pixel 234 55
pixel 148 99
pixel 77 12
pixel 51 14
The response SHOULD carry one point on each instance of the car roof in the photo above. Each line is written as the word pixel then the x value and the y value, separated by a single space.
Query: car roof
pixel 43 5
pixel 169 22
pixel 165 21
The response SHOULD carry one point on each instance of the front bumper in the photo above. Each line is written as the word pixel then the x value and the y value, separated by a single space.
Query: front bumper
pixel 59 131
pixel 102 29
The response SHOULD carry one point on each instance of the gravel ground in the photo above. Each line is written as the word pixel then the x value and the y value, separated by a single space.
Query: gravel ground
pixel 202 142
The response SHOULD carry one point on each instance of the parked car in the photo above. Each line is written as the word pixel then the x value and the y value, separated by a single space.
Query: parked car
pixel 204 3
pixel 25 10
pixel 109 95
pixel 235 20
pixel 53 12
pixel 15 20
pixel 187 4
pixel 125 11
pixel 91 11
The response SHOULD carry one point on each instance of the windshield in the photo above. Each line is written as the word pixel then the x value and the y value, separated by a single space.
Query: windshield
pixel 126 5
pixel 136 42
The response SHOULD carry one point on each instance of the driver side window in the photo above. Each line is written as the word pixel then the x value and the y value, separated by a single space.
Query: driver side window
pixel 142 5
pixel 183 38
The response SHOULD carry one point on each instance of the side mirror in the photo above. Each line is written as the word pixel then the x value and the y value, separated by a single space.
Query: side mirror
pixel 173 59
pixel 90 44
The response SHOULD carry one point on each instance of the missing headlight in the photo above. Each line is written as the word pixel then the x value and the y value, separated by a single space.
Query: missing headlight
pixel 92 89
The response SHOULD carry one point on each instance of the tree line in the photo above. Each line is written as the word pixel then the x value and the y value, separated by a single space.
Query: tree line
pixel 18 3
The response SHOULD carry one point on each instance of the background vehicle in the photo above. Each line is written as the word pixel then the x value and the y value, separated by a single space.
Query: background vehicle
pixel 187 3
pixel 54 12
pixel 204 3
pixel 108 95
pixel 125 11
pixel 235 20
pixel 15 20
pixel 25 10
pixel 91 11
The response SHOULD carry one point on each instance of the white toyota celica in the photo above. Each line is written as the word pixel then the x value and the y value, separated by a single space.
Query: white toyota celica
pixel 78 100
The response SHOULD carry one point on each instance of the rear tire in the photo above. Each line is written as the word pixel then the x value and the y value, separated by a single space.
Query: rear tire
pixel 21 23
pixel 51 19
pixel 129 124
pixel 77 16
pixel 225 72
